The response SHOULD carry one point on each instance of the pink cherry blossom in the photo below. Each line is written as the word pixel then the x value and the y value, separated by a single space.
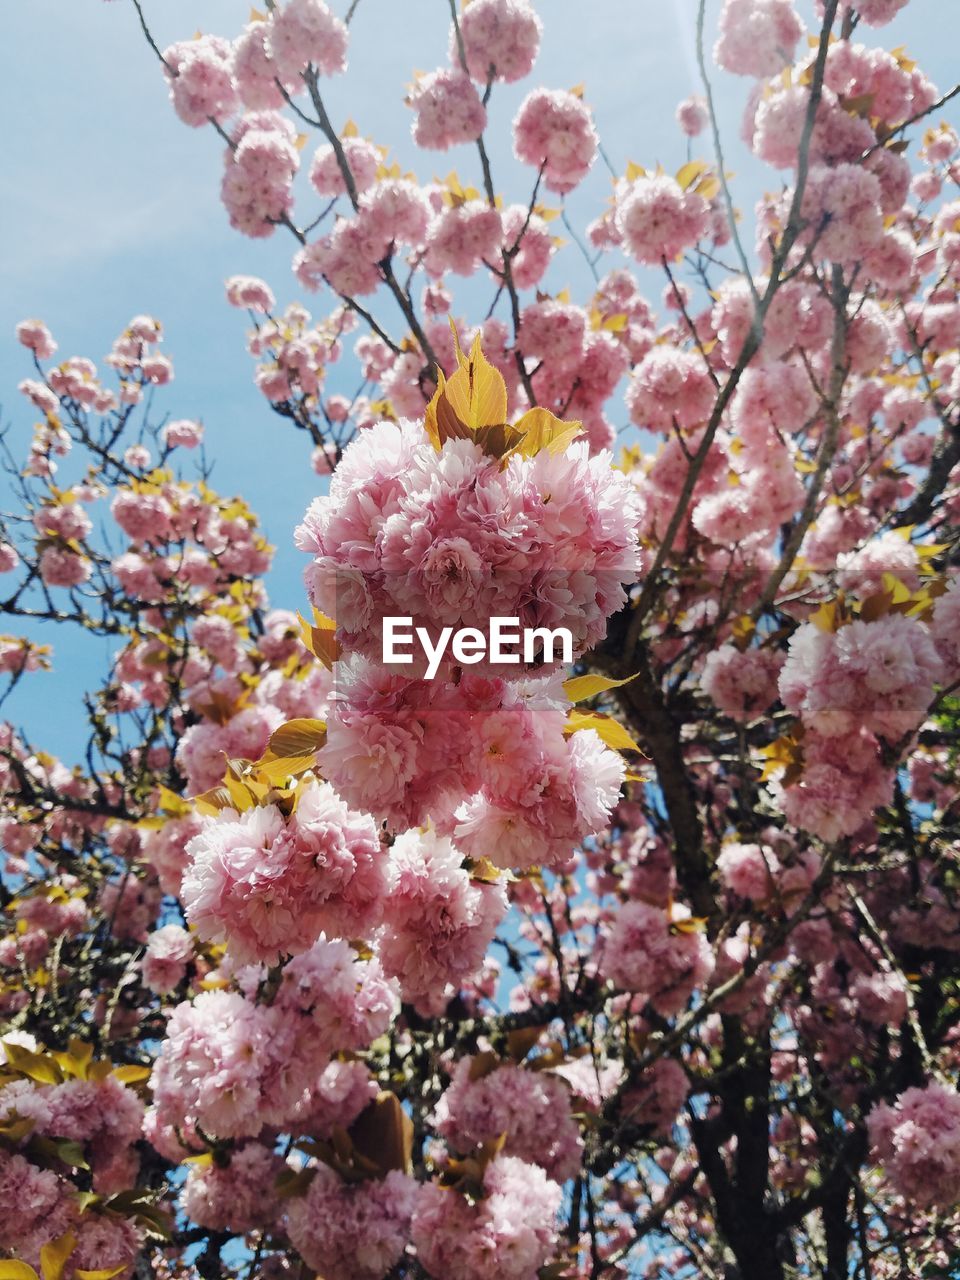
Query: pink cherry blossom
pixel 502 35
pixel 448 110
pixel 304 33
pixel 553 131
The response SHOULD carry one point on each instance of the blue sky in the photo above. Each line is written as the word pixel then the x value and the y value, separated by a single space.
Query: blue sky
pixel 110 205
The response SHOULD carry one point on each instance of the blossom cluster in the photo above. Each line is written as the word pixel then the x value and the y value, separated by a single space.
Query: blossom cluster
pixel 385 960
pixel 453 538
pixel 853 689
pixel 64 1116
pixel 498 772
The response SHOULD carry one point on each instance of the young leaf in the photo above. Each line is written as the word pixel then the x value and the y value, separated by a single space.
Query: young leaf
pixel 440 421
pixel 15 1128
pixel 76 1061
pixel 689 924
pixel 690 172
pixel 10 1269
pixel 294 1182
pixel 743 629
pixel 320 638
pixel 829 617
pixel 876 606
pixel 784 753
pixel 579 688
pixel 170 803
pixel 301 737
pixel 210 803
pixel 899 593
pixel 615 323
pixel 53 1256
pixel 540 429
pixel 383 1134
pixel 483 871
pixel 483 1065
pixel 204 1160
pixel 477 392
pixel 241 797
pixel 521 1040
pixel 130 1073
pixel 609 730
pixel 71 1153
pixel 36 1066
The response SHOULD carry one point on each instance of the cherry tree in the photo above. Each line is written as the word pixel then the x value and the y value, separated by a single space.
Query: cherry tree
pixel 646 964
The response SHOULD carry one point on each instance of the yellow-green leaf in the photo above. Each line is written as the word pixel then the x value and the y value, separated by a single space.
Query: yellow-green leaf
pixel 210 803
pixel 172 804
pixel 141 1208
pixel 689 924
pixel 98 1071
pixel 743 629
pixel 579 688
pixel 53 1256
pixel 895 588
pixel 483 870
pixel 829 617
pixel 277 773
pixel 785 752
pixel 320 637
pixel 241 796
pixel 76 1061
pixel 16 1128
pixel 615 324
pixel 70 1152
pixel 130 1073
pixel 609 730
pixel 690 172
pixel 37 1066
pixel 540 429
pixel 301 737
pixel 477 392
pixel 10 1269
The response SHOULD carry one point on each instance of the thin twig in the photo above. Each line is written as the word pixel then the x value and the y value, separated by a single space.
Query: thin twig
pixel 491 195
pixel 828 448
pixel 150 40
pixel 591 262
pixel 918 115
pixel 718 152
